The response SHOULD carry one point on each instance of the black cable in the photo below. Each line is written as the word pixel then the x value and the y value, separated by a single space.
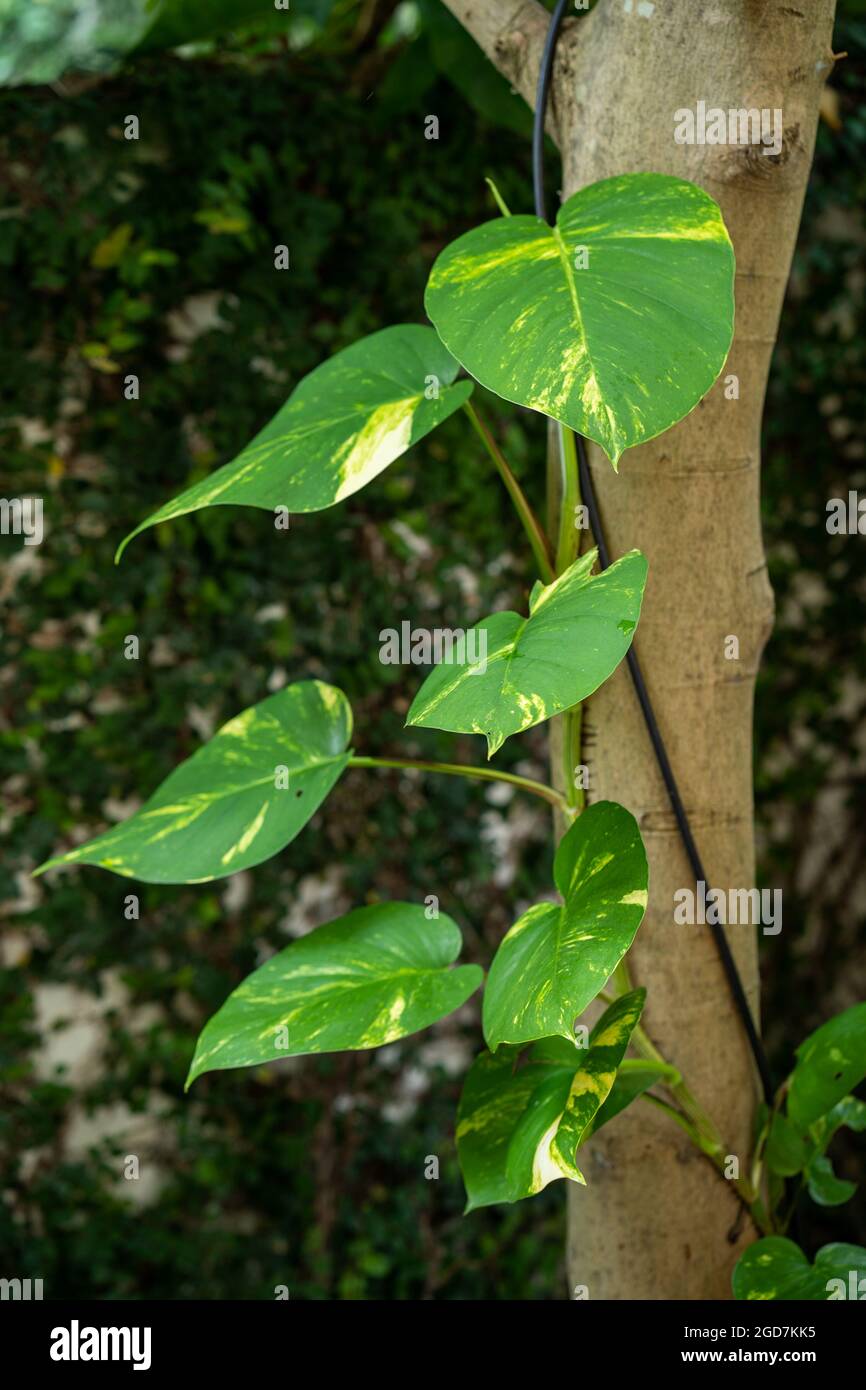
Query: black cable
pixel 729 965
pixel 541 95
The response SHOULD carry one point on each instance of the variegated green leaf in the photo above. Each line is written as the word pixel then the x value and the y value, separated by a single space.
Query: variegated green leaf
pixel 823 1185
pixel 506 1120
pixel 238 800
pixel 593 1082
pixel 366 979
pixel 791 1150
pixel 776 1269
pixel 340 428
pixel 616 321
pixel 513 1110
pixel 634 1077
pixel 555 959
pixel 849 1113
pixel 528 669
pixel 829 1063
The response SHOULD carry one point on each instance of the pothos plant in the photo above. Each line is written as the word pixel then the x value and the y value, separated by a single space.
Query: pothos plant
pixel 614 322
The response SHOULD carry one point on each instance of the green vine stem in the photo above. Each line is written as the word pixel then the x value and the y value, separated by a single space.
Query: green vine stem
pixel 567 546
pixel 691 1115
pixel 568 536
pixel 485 774
pixel 527 516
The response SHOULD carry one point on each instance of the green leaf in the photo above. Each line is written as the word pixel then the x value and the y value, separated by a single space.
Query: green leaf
pixel 528 669
pixel 787 1149
pixel 40 42
pixel 790 1151
pixel 555 959
pixel 829 1063
pixel 239 799
pixel 824 1187
pixel 593 1082
pixel 848 1112
pixel 375 975
pixel 507 1118
pixel 340 428
pixel 618 348
pixel 191 21
pixel 511 1116
pixel 634 1077
pixel 774 1268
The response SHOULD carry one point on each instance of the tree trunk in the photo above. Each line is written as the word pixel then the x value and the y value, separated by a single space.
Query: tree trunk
pixel 655 1221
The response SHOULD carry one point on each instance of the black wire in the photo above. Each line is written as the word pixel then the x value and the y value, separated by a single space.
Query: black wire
pixel 587 491
pixel 541 95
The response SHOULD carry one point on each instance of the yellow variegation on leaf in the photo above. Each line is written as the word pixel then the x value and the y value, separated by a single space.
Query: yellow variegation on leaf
pixel 829 1063
pixel 341 427
pixel 527 670
pixel 776 1269
pixel 519 1115
pixel 592 1084
pixel 238 800
pixel 364 980
pixel 615 321
pixel 557 957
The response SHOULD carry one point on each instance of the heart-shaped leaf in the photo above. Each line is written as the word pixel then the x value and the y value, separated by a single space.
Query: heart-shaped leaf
pixel 340 428
pixel 238 800
pixel 528 669
pixel 555 959
pixel 366 979
pixel 774 1268
pixel 507 1118
pixel 616 321
pixel 593 1082
pixel 829 1063
pixel 511 1115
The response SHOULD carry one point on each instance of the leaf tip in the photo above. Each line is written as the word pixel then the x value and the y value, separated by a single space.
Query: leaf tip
pixel 498 198
pixel 192 1075
pixel 118 554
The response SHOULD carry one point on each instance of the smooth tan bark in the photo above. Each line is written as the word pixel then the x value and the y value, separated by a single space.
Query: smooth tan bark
pixel 655 1221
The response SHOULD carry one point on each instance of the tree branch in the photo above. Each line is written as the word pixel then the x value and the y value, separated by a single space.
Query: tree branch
pixel 511 33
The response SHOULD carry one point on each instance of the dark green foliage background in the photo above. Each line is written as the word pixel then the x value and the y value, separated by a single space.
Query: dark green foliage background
pixel 265 1181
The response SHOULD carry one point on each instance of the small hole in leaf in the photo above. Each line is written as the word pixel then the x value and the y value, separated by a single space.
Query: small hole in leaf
pixel 838 1076
pixel 299 793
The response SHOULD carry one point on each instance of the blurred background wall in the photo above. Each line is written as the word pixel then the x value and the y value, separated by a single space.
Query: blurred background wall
pixel 155 257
